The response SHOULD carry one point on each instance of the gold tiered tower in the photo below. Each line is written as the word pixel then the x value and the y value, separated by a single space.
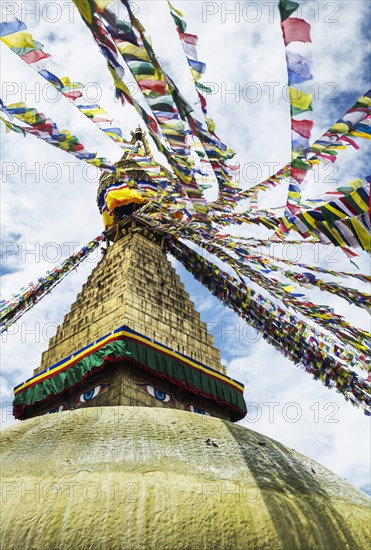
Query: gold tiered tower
pixel 135 285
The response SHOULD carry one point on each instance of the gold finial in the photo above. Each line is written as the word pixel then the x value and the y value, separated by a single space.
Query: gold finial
pixel 140 135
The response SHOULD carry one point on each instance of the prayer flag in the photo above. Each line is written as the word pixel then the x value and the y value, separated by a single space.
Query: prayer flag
pixel 287 7
pixel 11 27
pixel 295 30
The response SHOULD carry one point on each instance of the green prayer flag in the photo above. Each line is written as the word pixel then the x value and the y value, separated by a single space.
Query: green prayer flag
pixel 287 7
pixel 204 88
pixel 180 23
pixel 124 26
pixel 300 164
pixel 297 111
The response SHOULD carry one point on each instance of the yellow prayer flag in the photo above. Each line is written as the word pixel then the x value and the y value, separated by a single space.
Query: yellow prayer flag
pixel 360 134
pixel 126 48
pixel 366 101
pixel 362 233
pixel 359 201
pixel 118 81
pixel 196 75
pixel 85 10
pixel 337 212
pixel 178 12
pixel 29 118
pixel 19 40
pixel 286 222
pixel 299 99
pixel 335 233
pixel 294 195
pixel 19 105
pixel 97 111
pixel 317 147
pixel 357 183
pixel 288 287
pixel 67 83
pixel 210 124
pixel 102 4
pixel 340 128
pixel 308 218
pixel 182 177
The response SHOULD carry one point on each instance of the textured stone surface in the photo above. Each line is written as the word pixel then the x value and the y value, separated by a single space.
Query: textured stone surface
pixel 134 284
pixel 142 478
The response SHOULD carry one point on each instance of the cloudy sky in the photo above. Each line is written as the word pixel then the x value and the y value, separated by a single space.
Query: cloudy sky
pixel 48 198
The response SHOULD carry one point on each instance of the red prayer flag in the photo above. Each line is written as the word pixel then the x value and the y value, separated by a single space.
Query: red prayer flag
pixel 188 38
pixel 349 252
pixel 203 101
pixel 152 124
pixel 331 158
pixel 350 141
pixel 295 30
pixel 302 127
pixel 298 174
pixel 34 56
pixel 158 86
pixel 293 208
pixel 42 128
pixel 345 202
pixel 283 228
pixel 75 94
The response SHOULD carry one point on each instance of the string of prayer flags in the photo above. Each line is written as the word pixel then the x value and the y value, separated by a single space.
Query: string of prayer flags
pixel 325 149
pixel 205 131
pixel 45 129
pixel 11 310
pixel 351 295
pixel 167 105
pixel 70 90
pixel 189 43
pixel 343 274
pixel 344 222
pixel 108 49
pixel 119 39
pixel 296 34
pixel 322 314
pixel 307 280
pixel 295 339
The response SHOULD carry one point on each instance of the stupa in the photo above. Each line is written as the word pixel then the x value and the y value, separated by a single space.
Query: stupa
pixel 125 463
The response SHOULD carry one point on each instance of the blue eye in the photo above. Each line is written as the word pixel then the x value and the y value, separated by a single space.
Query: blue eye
pixel 90 394
pixel 160 395
pixel 196 410
pixel 156 393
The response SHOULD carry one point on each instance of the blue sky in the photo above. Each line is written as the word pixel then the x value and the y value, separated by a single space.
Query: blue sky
pixel 49 210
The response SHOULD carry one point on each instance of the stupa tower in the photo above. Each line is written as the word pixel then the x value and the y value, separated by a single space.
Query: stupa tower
pixel 132 337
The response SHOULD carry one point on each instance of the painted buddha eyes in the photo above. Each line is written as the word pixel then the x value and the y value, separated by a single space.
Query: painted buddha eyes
pixel 57 409
pixel 194 409
pixel 90 394
pixel 156 393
